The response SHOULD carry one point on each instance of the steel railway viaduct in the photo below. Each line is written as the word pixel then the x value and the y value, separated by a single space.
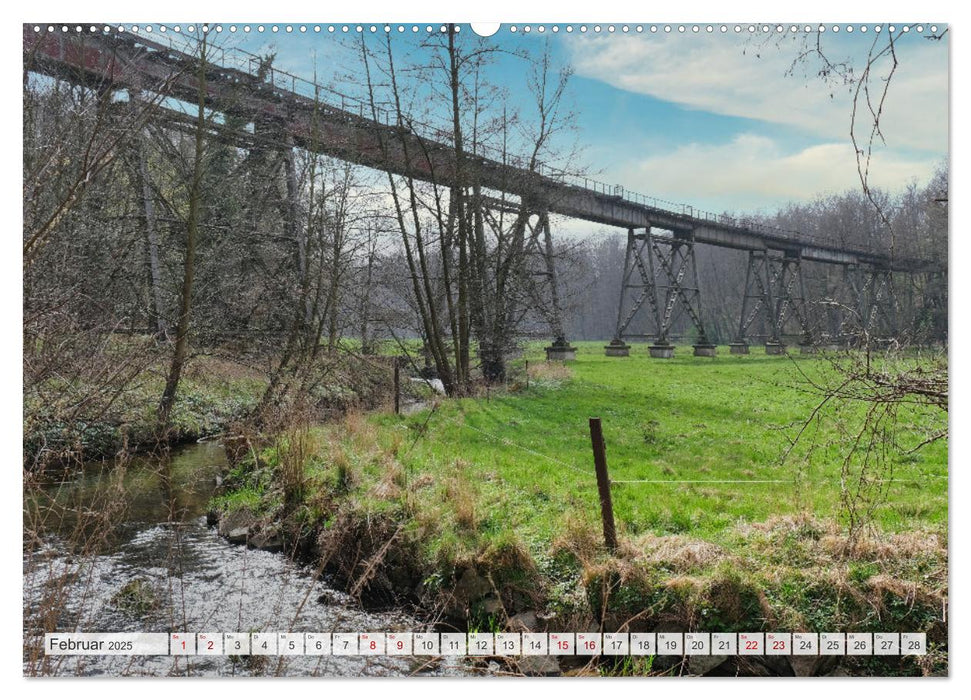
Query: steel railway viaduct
pixel 660 268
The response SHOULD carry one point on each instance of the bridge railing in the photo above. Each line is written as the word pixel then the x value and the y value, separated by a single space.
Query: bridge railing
pixel 255 67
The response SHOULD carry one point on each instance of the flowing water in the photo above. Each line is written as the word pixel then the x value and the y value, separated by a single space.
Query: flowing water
pixel 120 550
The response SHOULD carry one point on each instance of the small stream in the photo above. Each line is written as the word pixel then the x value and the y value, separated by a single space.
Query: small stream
pixel 117 552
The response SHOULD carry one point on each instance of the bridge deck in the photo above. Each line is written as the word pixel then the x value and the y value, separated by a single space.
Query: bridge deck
pixel 357 133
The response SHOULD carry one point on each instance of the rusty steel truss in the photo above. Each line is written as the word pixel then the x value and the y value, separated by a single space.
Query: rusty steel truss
pixel 276 108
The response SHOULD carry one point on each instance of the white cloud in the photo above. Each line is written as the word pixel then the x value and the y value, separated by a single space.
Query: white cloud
pixel 712 73
pixel 755 172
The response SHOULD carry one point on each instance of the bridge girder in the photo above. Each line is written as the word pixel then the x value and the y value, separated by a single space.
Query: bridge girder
pixel 669 275
pixel 128 62
pixel 874 314
pixel 668 281
pixel 774 294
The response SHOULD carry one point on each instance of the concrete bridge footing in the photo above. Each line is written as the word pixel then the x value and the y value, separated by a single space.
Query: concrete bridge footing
pixel 560 350
pixel 617 348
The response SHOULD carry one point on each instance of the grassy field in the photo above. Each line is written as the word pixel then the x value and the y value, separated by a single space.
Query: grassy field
pixel 726 526
pixel 685 425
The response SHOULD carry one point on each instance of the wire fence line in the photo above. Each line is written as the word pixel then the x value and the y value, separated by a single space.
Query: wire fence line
pixel 510 443
pixel 589 473
pixel 768 481
pixel 703 481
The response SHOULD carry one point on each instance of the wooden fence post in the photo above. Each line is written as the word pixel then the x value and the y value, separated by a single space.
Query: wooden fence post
pixel 397 386
pixel 603 484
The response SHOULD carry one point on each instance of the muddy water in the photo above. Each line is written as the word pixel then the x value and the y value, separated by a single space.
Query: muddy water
pixel 117 552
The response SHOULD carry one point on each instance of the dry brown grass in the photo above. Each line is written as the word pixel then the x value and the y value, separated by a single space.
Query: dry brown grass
pixel 677 552
pixel 397 440
pixel 686 586
pixel 886 547
pixel 580 538
pixel 295 447
pixel 509 554
pixel 218 369
pixel 461 498
pixel 422 481
pixel 553 372
pixel 392 482
pixel 754 573
pixel 343 464
pixel 804 523
pixel 385 489
pixel 361 435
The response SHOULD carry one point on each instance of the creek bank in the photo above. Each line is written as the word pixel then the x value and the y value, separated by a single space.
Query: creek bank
pixel 374 563
pixel 162 569
pixel 370 570
pixel 379 561
pixel 392 529
pixel 214 395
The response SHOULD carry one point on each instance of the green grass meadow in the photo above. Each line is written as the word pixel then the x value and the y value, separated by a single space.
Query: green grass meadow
pixel 711 436
pixel 725 521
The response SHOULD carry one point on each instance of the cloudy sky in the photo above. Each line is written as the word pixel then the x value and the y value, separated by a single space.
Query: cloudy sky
pixel 730 123
pixel 723 121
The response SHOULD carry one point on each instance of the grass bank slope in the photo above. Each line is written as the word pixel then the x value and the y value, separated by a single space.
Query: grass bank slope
pixel 485 509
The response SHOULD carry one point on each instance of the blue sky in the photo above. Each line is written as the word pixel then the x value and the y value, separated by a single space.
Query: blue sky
pixel 710 119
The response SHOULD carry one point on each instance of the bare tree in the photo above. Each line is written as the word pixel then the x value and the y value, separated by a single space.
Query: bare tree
pixel 882 382
pixel 184 319
pixel 468 249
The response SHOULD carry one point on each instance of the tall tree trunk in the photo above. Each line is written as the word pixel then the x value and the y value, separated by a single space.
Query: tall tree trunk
pixel 296 232
pixel 188 269
pixel 421 278
pixel 367 347
pixel 156 319
pixel 337 259
pixel 302 322
pixel 458 192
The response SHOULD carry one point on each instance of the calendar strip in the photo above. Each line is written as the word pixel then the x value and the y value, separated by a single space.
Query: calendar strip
pixel 481 644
